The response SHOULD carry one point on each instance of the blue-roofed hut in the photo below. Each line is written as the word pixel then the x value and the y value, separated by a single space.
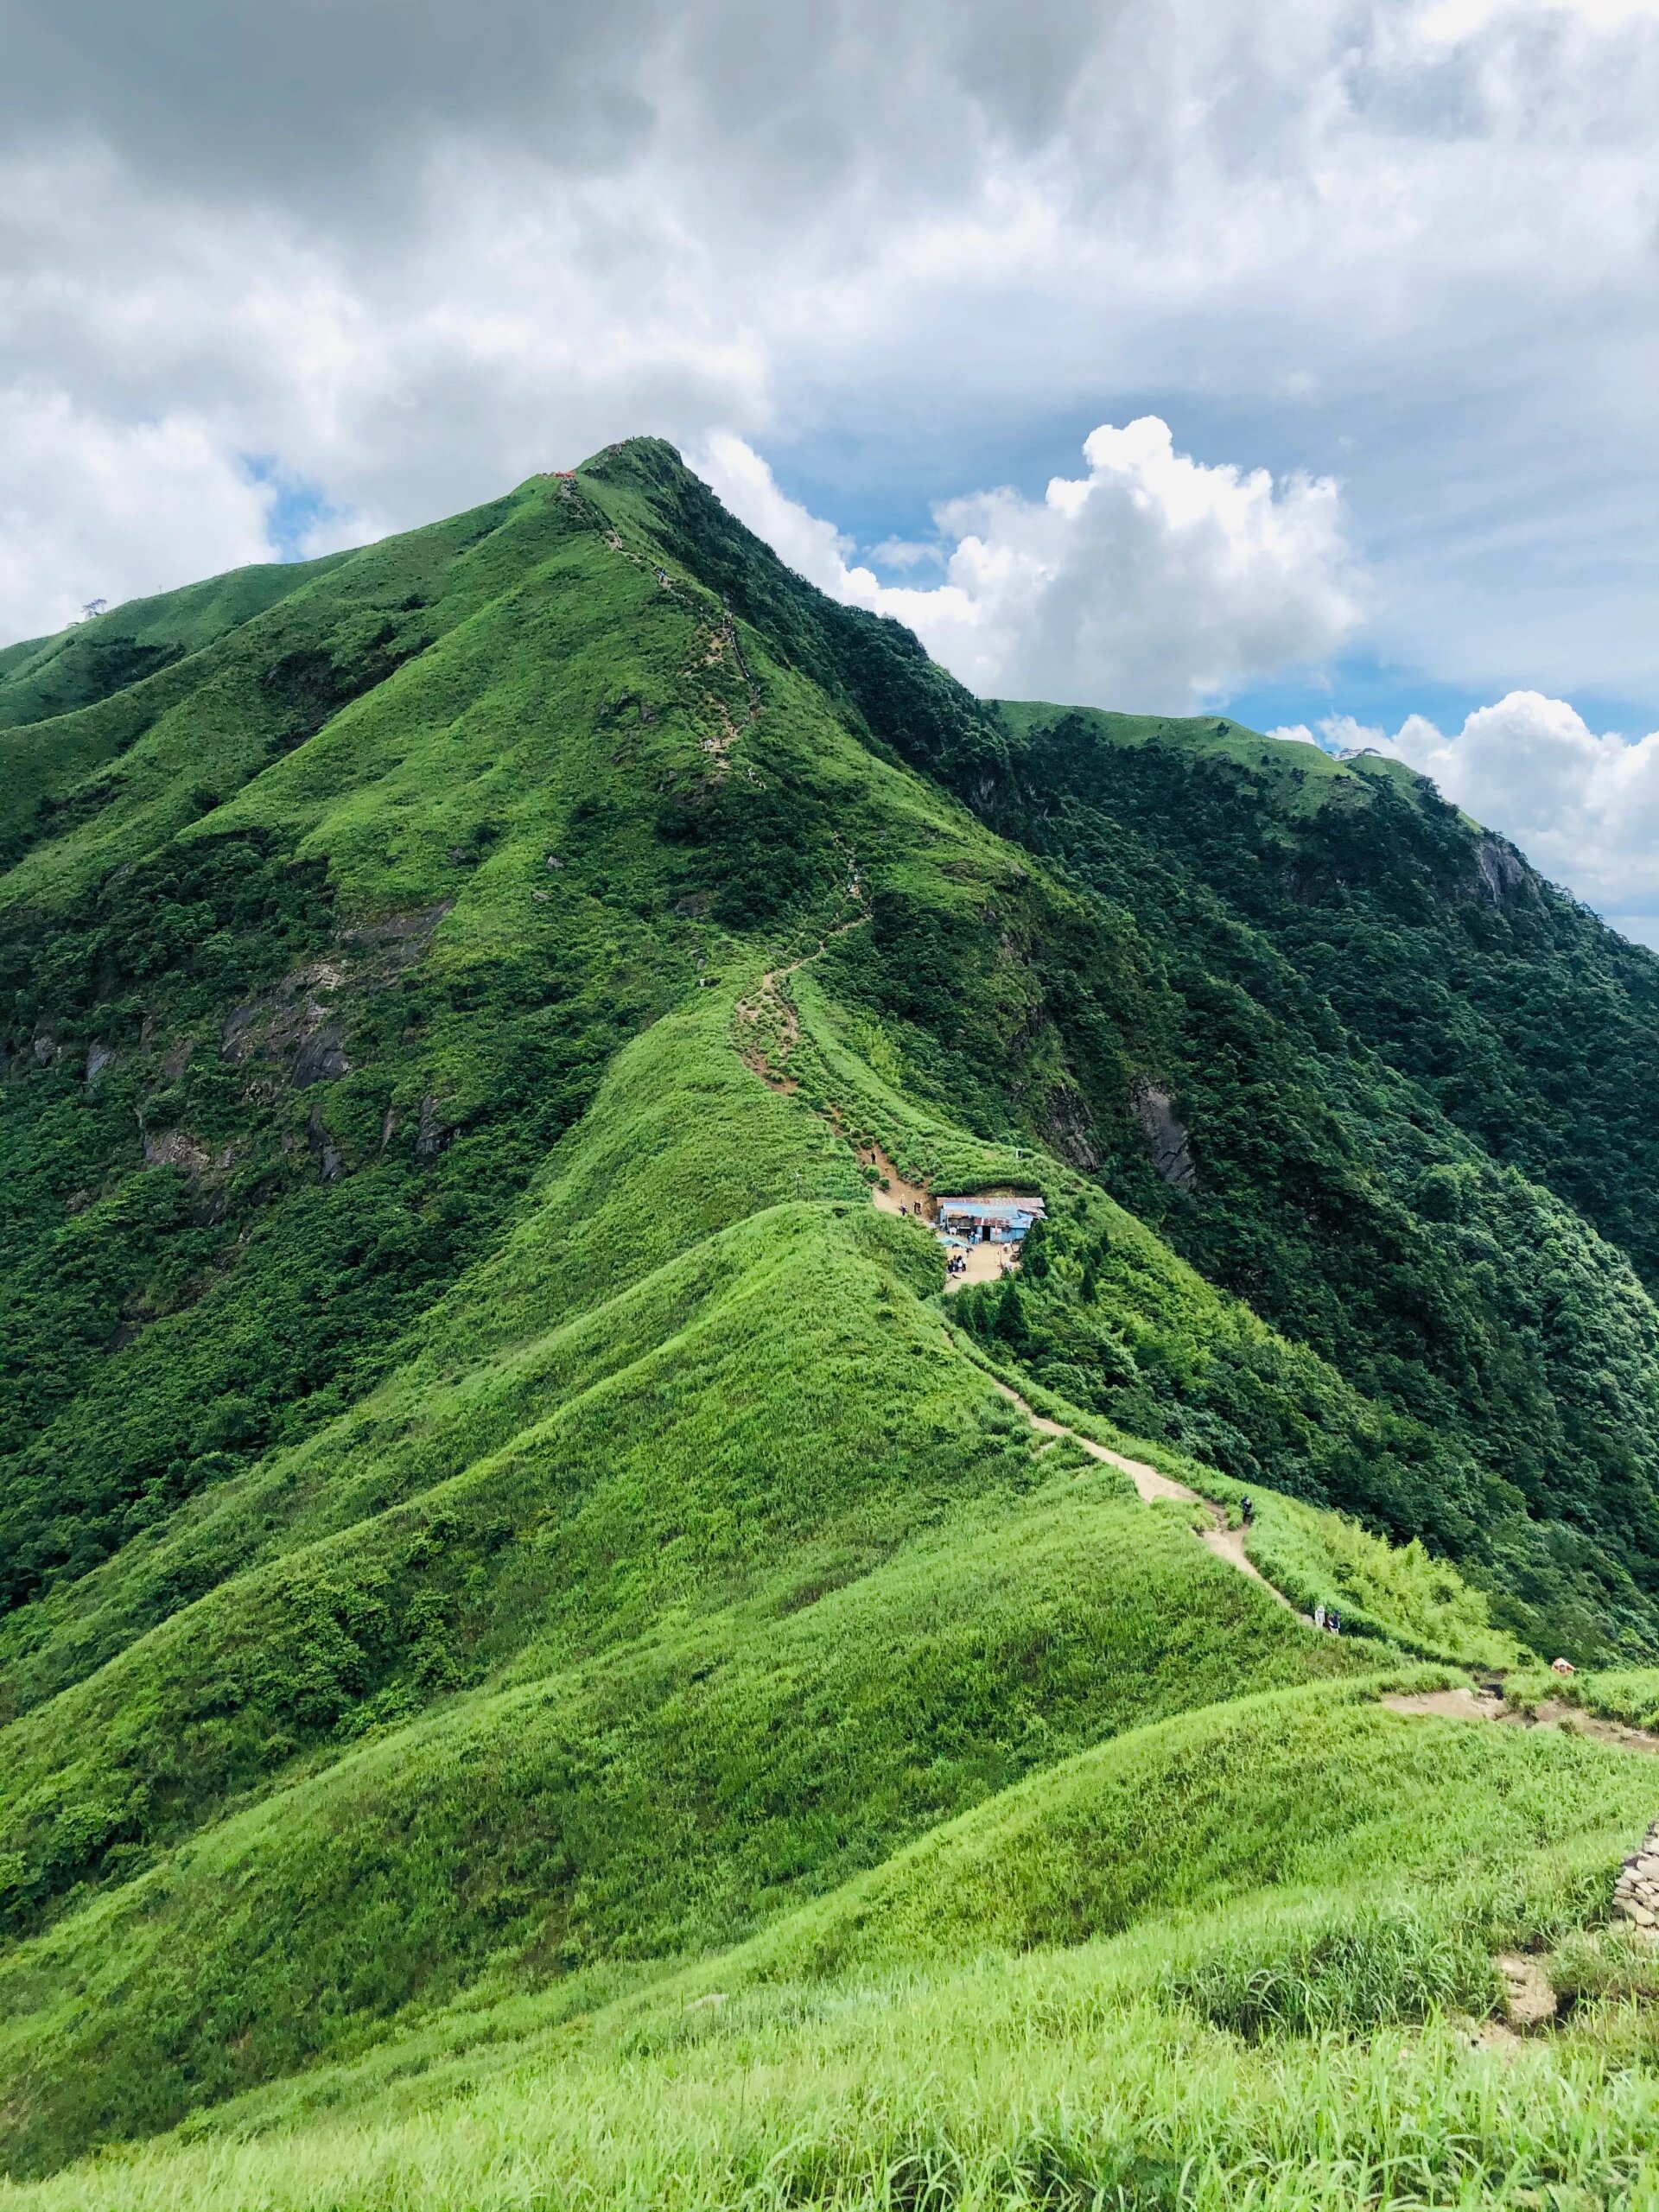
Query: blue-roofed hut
pixel 1002 1219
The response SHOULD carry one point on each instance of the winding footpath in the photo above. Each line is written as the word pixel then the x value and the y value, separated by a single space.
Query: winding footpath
pixel 1226 1543
pixel 1530 2000
pixel 893 1193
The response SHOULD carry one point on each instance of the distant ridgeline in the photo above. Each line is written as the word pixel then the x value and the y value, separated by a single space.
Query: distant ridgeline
pixel 456 1395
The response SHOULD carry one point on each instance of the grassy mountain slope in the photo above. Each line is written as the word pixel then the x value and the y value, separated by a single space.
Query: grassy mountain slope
pixel 865 2049
pixel 43 679
pixel 491 1514
pixel 752 1497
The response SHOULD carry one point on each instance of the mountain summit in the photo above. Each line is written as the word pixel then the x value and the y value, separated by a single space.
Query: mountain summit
pixel 506 1510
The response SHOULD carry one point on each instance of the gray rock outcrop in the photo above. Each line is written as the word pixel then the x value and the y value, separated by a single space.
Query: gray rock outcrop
pixel 1636 1893
pixel 1171 1149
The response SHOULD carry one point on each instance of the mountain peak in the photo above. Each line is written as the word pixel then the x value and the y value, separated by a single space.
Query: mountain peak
pixel 511 1477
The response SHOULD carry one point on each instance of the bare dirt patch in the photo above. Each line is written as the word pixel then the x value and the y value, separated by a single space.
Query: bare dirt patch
pixel 1556 1713
pixel 1529 2000
pixel 985 1263
pixel 1460 1704
pixel 1465 1704
pixel 894 1193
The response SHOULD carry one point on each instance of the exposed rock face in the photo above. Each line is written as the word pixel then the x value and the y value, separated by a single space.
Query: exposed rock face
pixel 431 1131
pixel 1501 870
pixel 1171 1149
pixel 296 1032
pixel 330 1163
pixel 321 1057
pixel 1068 1130
pixel 235 1043
pixel 1636 1893
pixel 100 1059
pixel 172 1148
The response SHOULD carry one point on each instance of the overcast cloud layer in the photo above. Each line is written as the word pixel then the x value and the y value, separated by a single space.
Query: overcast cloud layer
pixel 278 274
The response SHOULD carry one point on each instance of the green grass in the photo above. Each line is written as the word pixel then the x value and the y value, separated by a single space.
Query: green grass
pixel 676 1474
pixel 1304 1789
pixel 648 1563
pixel 42 677
pixel 1397 1593
pixel 500 1543
pixel 964 2092
pixel 1184 2062
pixel 655 1803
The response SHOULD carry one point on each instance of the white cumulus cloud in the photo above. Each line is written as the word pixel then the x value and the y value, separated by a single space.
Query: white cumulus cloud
pixel 1405 242
pixel 1583 805
pixel 1155 582
pixel 93 509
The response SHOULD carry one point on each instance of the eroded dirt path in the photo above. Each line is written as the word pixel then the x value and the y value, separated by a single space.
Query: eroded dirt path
pixel 1464 1704
pixel 768 1027
pixel 894 1194
pixel 1150 1485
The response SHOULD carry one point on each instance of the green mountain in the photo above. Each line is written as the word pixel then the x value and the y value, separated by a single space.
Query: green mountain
pixel 530 1605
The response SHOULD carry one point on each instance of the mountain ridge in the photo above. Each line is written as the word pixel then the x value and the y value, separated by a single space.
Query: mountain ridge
pixel 490 1509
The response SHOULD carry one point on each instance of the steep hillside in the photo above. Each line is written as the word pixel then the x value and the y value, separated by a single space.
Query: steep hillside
pixel 495 1522
pixel 1532 1025
pixel 1320 1156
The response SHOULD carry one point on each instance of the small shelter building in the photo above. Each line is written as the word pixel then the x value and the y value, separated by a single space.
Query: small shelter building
pixel 1002 1218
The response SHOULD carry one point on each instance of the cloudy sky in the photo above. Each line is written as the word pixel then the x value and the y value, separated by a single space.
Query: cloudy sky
pixel 1299 360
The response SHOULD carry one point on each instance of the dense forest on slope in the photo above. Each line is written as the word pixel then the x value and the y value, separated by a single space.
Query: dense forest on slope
pixel 488 1508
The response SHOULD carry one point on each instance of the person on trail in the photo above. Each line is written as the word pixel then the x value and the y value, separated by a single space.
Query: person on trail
pixel 1318 1616
pixel 1336 1624
pixel 1247 1511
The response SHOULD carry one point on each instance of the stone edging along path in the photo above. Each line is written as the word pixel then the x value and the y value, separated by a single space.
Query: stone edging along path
pixel 1636 1893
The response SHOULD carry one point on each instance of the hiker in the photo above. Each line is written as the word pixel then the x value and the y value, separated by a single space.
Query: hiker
pixel 1336 1624
pixel 1318 1616
pixel 1247 1510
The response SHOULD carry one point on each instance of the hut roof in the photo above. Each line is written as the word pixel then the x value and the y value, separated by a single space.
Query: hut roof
pixel 994 1209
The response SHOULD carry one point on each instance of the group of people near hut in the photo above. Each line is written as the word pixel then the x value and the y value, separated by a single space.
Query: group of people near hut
pixel 955 1259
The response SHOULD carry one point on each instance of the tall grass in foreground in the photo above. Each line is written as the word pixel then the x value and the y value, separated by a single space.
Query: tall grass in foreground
pixel 1017 2083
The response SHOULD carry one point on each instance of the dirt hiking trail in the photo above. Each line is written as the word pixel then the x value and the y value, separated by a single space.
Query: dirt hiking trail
pixel 1226 1543
pixel 772 1002
pixel 898 1196
pixel 768 1031
pixel 1488 1704
pixel 894 1193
